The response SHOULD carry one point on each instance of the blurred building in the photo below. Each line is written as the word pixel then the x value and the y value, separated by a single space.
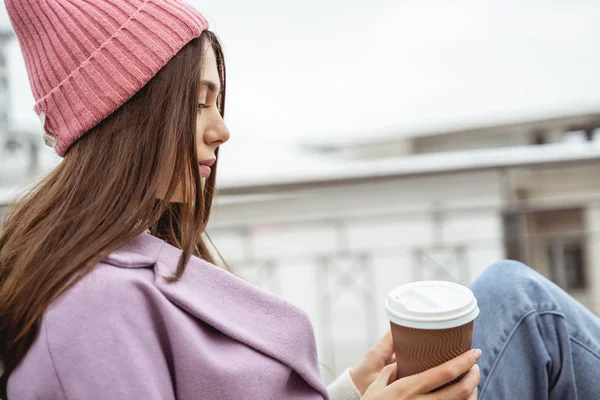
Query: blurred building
pixel 5 37
pixel 19 149
pixel 430 205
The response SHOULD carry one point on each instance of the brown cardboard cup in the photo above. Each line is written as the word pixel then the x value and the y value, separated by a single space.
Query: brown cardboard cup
pixel 431 322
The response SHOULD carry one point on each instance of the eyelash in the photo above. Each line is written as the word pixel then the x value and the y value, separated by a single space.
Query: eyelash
pixel 202 106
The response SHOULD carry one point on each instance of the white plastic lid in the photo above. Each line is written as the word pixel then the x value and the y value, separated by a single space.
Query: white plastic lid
pixel 431 305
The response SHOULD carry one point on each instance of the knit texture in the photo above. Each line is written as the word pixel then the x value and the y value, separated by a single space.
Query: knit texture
pixel 86 58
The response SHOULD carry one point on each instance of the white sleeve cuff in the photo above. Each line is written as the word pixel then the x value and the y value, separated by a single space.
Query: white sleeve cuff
pixel 343 388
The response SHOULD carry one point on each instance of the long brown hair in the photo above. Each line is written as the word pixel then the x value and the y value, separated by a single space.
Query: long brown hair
pixel 102 195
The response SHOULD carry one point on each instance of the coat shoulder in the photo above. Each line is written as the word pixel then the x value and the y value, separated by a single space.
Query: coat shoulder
pixel 106 289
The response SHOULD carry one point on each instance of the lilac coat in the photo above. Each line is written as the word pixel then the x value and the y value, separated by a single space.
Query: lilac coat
pixel 124 332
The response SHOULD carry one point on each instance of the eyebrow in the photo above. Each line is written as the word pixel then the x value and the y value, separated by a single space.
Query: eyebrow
pixel 210 85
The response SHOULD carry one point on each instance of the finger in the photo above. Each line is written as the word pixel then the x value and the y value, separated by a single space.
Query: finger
pixel 461 390
pixel 387 337
pixel 386 376
pixel 473 395
pixel 447 372
pixel 386 343
pixel 392 358
pixel 384 348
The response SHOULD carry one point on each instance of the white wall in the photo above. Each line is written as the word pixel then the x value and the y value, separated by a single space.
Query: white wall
pixel 560 185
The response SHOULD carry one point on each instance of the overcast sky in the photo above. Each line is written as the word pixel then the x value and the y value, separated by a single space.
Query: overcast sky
pixel 316 70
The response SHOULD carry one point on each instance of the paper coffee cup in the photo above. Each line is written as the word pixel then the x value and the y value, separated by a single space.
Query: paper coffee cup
pixel 432 322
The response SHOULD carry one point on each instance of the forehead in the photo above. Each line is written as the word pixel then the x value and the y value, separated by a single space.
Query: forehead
pixel 209 64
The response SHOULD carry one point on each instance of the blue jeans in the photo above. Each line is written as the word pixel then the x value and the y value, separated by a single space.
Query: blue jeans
pixel 538 342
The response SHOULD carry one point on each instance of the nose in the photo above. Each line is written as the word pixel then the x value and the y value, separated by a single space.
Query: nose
pixel 216 133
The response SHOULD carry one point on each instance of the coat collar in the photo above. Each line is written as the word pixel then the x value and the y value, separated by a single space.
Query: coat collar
pixel 235 307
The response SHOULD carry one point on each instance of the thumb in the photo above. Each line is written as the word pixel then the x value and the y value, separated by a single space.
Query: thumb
pixel 387 375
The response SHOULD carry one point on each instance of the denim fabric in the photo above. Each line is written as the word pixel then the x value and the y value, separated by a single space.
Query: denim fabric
pixel 538 342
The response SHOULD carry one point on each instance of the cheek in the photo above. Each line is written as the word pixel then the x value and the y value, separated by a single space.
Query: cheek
pixel 200 128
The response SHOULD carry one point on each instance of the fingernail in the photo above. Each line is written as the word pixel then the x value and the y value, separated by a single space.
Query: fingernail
pixel 476 367
pixel 477 353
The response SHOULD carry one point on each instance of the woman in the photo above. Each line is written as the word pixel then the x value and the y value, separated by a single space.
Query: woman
pixel 108 283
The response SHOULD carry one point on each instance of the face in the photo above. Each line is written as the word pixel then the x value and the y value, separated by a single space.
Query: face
pixel 211 131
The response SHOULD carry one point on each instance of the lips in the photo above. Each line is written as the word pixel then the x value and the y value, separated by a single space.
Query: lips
pixel 205 167
pixel 209 163
pixel 205 171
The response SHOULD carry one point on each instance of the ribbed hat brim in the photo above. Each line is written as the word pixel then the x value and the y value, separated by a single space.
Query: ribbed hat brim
pixel 114 72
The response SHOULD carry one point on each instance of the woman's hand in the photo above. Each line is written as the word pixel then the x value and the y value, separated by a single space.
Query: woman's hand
pixel 418 387
pixel 378 356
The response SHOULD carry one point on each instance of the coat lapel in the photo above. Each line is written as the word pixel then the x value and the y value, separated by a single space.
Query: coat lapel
pixel 235 307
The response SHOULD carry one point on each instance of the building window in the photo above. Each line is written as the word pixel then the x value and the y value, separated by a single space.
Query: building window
pixel 539 138
pixel 567 264
pixel 552 242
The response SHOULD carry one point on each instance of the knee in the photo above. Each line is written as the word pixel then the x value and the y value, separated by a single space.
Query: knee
pixel 505 272
pixel 508 282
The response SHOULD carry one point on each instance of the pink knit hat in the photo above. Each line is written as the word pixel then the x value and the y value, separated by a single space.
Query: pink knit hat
pixel 86 58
